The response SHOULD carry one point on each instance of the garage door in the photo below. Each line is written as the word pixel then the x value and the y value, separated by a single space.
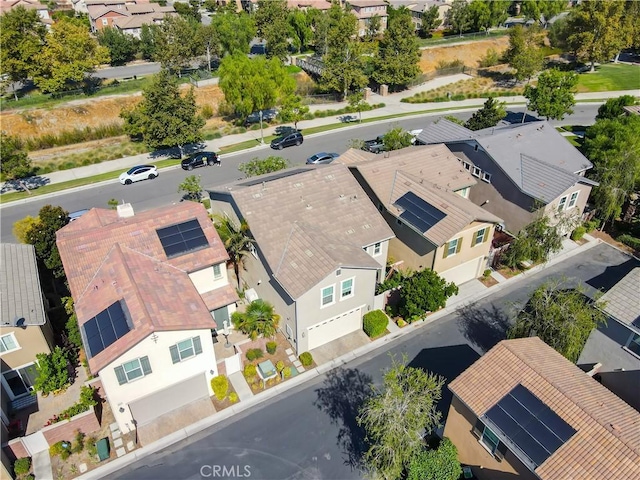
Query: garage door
pixel 465 272
pixel 336 327
pixel 150 407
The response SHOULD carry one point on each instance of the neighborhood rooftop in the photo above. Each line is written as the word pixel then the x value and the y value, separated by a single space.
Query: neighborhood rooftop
pixel 623 299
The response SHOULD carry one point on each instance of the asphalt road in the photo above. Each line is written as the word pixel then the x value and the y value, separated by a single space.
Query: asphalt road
pixel 310 432
pixel 163 190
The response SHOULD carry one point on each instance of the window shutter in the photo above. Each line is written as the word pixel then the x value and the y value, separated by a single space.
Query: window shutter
pixel 475 238
pixel 197 345
pixel 459 245
pixel 122 378
pixel 486 234
pixel 500 452
pixel 146 366
pixel 175 356
pixel 446 250
pixel 477 428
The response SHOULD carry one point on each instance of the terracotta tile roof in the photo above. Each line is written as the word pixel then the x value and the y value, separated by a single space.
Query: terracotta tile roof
pixel 606 444
pixel 220 297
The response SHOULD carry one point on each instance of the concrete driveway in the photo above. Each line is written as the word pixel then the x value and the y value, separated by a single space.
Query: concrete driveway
pixel 339 347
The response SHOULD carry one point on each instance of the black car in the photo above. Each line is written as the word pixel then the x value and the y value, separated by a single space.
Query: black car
pixel 282 130
pixel 267 116
pixel 287 140
pixel 200 159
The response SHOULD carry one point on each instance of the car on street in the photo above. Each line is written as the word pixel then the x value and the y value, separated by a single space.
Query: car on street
pixel 73 216
pixel 267 116
pixel 137 173
pixel 348 118
pixel 374 146
pixel 200 159
pixel 294 138
pixel 285 130
pixel 322 158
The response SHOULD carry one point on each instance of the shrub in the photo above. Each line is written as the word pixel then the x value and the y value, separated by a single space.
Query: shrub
pixel 279 365
pixel 591 225
pixel 286 372
pixel 53 372
pixel 487 273
pixel 220 386
pixel 22 466
pixel 375 323
pixel 401 323
pixel 92 450
pixel 306 359
pixel 78 442
pixel 458 97
pixel 630 241
pixel 254 354
pixel 272 347
pixel 490 59
pixel 578 233
pixel 233 397
pixel 61 448
pixel 86 402
pixel 206 111
pixel 250 371
pixel 29 477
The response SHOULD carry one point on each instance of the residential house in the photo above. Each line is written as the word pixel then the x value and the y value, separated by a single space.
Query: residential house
pixel 524 410
pixel 307 4
pixel 320 248
pixel 417 7
pixel 24 329
pixel 422 194
pixel 524 170
pixel 365 10
pixel 43 10
pixel 126 15
pixel 150 290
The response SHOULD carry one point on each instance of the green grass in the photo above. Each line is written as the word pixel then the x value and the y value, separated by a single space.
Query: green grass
pixel 610 77
pixel 293 69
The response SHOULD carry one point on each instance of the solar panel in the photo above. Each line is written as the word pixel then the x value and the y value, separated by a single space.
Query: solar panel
pixel 529 424
pixel 105 328
pixel 182 238
pixel 417 212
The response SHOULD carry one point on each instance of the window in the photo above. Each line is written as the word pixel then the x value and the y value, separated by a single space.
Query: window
pixel 634 344
pixel 573 200
pixel 217 272
pixel 489 440
pixel 562 203
pixel 480 236
pixel 452 247
pixel 463 192
pixel 327 296
pixel 486 177
pixel 253 251
pixel 476 172
pixel 8 342
pixel 185 349
pixel 105 21
pixel 129 371
pixel 467 165
pixel 346 288
pixel 338 272
pixel 377 249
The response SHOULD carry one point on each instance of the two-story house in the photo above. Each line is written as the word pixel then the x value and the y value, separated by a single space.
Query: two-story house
pixel 417 7
pixel 149 289
pixel 320 248
pixel 365 10
pixel 524 170
pixel 125 15
pixel 422 194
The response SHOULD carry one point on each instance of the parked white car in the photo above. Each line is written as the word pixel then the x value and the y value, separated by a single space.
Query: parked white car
pixel 137 173
pixel 414 135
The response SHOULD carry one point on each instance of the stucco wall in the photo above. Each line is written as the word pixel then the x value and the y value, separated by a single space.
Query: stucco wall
pixel 205 281
pixel 31 341
pixel 468 251
pixel 573 213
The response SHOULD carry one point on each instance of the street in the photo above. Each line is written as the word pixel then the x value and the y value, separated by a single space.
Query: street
pixel 310 432
pixel 164 189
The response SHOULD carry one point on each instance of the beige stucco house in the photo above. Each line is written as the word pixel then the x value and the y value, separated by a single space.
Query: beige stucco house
pixel 365 10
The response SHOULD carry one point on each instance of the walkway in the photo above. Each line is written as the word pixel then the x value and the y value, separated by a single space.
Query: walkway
pixel 241 386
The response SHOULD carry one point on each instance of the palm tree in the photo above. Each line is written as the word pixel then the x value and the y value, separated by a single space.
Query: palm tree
pixel 235 239
pixel 259 319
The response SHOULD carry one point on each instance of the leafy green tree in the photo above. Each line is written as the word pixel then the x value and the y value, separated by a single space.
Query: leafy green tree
pixel 558 34
pixel 21 38
pixel 209 39
pixel 236 239
pixel 258 320
pixel 396 138
pixel 458 17
pixel 535 242
pixel 562 317
pixel 43 237
pixel 22 226
pixel 122 47
pixel 292 109
pixel 357 102
pixel 147 42
pixel 525 54
pixel 631 24
pixel 192 188
pixel 164 118
pixel 69 54
pixel 398 54
pixel 439 464
pixel 272 24
pixel 396 416
pixel 614 107
pixel 53 371
pixel 299 21
pixel 553 97
pixel 542 10
pixel 190 11
pixel 72 330
pixel 260 166
pixel 488 116
pixel 429 20
pixel 174 45
pixel 480 16
pixel 424 291
pixel 321 24
pixel 235 32
pixel 15 164
pixel 374 26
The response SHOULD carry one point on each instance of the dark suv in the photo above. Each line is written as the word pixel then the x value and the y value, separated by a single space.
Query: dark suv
pixel 267 116
pixel 200 159
pixel 287 140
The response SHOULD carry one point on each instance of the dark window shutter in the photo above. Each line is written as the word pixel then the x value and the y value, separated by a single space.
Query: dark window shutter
pixel 501 451
pixel 175 356
pixel 459 245
pixel 122 378
pixel 197 346
pixel 478 428
pixel 146 366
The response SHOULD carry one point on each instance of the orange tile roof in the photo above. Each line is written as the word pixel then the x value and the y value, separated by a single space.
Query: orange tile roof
pixel 606 444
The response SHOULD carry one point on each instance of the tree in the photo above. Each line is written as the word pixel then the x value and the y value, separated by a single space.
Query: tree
pixel 260 166
pixel 614 107
pixel 21 38
pixel 535 242
pixel 553 97
pixel 542 10
pixel 43 237
pixel 424 291
pixel 439 464
pixel 488 116
pixel 69 54
pixel 563 318
pixel 373 27
pixel 165 118
pixel 72 330
pixel 321 24
pixel 292 109
pixel 22 226
pixel 272 24
pixel 15 164
pixel 429 20
pixel 236 240
pixel 525 54
pixel 480 16
pixel 596 28
pixel 209 39
pixel 190 11
pixel 299 21
pixel 398 54
pixel 357 102
pixel 147 42
pixel 558 34
pixel 396 416
pixel 458 17
pixel 174 45
pixel 258 320
pixel 235 32
pixel 192 188
pixel 122 47
pixel 53 371
pixel 396 138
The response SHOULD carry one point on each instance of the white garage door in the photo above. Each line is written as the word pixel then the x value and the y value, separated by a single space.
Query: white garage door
pixel 336 327
pixel 465 272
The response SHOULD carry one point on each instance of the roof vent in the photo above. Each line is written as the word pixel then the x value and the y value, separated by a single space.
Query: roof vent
pixel 125 210
pixel 309 253
pixel 308 207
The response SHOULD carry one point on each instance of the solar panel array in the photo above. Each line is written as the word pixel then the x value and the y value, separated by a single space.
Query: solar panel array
pixel 105 328
pixel 530 424
pixel 182 238
pixel 417 212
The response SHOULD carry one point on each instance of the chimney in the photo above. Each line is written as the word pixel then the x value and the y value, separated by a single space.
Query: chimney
pixel 125 210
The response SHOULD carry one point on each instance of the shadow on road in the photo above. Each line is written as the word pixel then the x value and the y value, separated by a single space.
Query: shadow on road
pixel 31 182
pixel 340 397
pixel 484 327
pixel 612 275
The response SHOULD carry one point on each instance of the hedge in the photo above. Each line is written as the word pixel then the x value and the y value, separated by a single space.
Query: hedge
pixel 375 323
pixel 220 386
pixel 306 359
pixel 630 241
pixel 578 233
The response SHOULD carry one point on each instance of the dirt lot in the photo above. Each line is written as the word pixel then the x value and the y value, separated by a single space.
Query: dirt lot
pixel 469 53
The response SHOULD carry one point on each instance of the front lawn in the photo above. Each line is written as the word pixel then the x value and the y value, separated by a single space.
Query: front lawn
pixel 610 77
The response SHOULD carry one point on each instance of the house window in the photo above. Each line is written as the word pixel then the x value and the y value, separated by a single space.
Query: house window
pixel 338 272
pixel 377 249
pixel 480 236
pixel 476 172
pixel 105 21
pixel 8 343
pixel 486 177
pixel 573 200
pixel 346 288
pixel 327 296
pixel 489 440
pixel 21 380
pixel 217 272
pixel 452 247
pixel 562 203
pixel 463 192
pixel 185 349
pixel 129 371
pixel 467 165
pixel 634 344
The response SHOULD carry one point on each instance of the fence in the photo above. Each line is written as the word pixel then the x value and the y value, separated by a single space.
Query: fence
pixel 425 77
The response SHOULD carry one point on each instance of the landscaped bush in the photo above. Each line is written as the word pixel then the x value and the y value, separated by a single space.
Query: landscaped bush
pixel 279 366
pixel 233 397
pixel 401 323
pixel 61 448
pixel 22 466
pixel 254 354
pixel 458 97
pixel 578 233
pixel 306 359
pixel 206 111
pixel 272 347
pixel 630 241
pixel 592 224
pixel 375 323
pixel 86 402
pixel 487 273
pixel 53 372
pixel 250 372
pixel 92 450
pixel 70 137
pixel 220 386
pixel 286 372
pixel 78 442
